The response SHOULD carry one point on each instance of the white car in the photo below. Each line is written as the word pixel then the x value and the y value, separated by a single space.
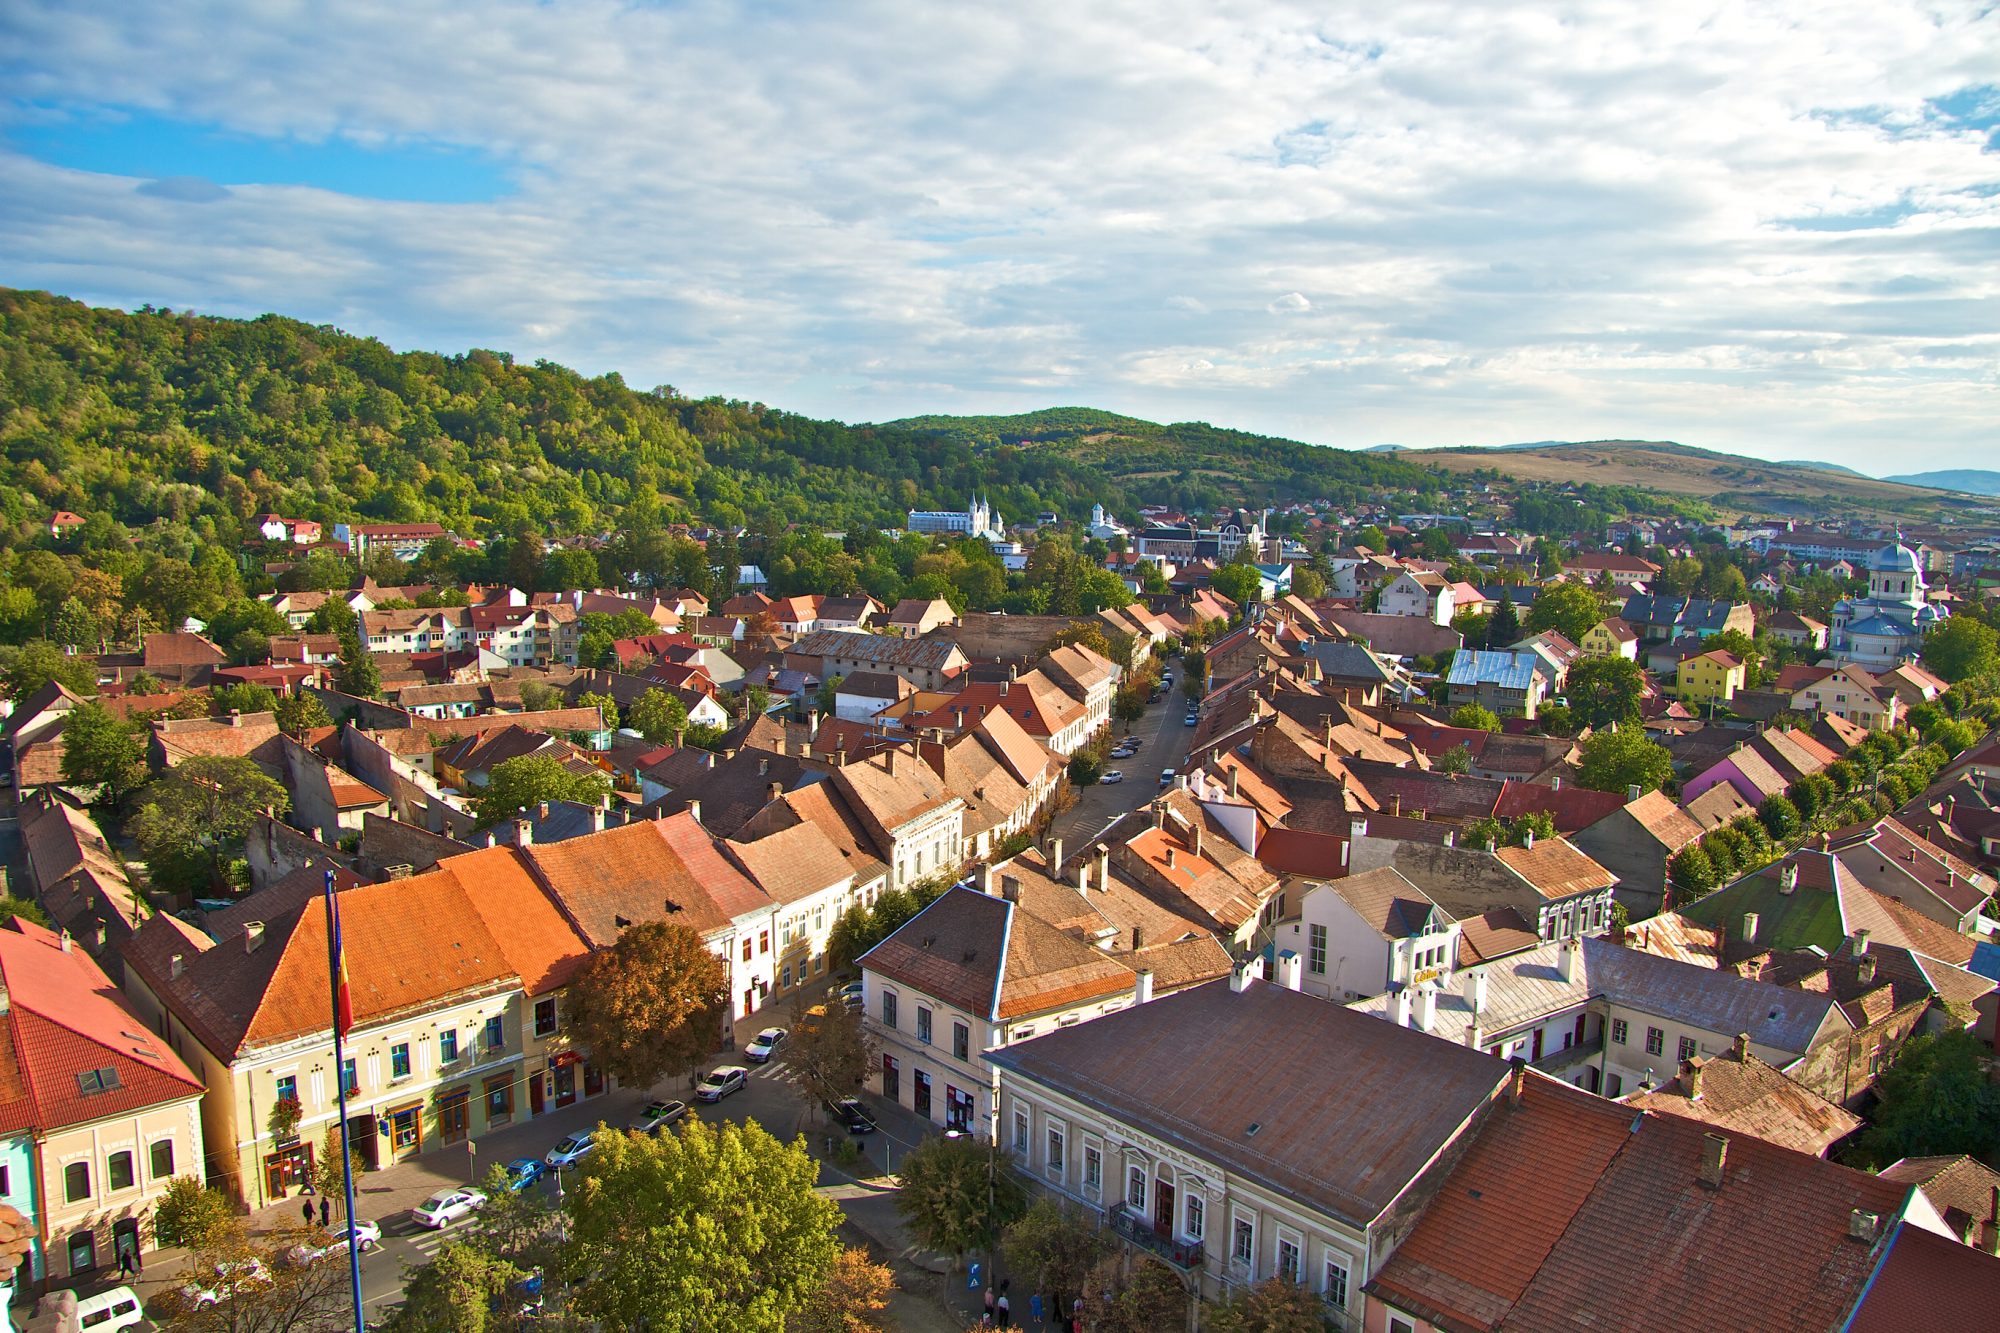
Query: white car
pixel 368 1234
pixel 446 1207
pixel 572 1149
pixel 720 1082
pixel 223 1279
pixel 1112 776
pixel 763 1045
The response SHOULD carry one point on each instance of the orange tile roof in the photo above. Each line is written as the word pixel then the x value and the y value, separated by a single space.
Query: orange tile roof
pixel 1555 868
pixel 658 869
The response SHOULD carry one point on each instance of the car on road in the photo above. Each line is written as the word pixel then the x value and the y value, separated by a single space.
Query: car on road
pixel 367 1233
pixel 719 1082
pixel 1112 776
pixel 1191 720
pixel 446 1207
pixel 1124 751
pixel 763 1045
pixel 233 1275
pixel 572 1149
pixel 1166 777
pixel 525 1171
pixel 658 1116
pixel 841 992
pixel 851 1113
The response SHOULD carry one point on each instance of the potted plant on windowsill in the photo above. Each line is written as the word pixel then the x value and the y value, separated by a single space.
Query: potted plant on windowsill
pixel 284 1122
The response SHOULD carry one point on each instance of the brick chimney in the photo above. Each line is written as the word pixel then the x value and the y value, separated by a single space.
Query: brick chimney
pixel 1517 1079
pixel 1741 1048
pixel 1714 1160
pixel 1234 773
pixel 1691 1079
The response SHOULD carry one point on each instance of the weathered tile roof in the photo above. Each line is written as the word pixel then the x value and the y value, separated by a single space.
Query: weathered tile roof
pixel 1741 1094
pixel 1929 1282
pixel 668 869
pixel 1555 868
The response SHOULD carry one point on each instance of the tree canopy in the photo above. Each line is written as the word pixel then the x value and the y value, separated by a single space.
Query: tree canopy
pixel 650 1005
pixel 1624 758
pixel 525 781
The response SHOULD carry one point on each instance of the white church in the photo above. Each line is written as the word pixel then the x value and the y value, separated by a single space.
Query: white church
pixel 1887 626
pixel 977 519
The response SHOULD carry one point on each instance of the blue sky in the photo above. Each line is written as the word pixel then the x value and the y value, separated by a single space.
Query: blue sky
pixel 1772 229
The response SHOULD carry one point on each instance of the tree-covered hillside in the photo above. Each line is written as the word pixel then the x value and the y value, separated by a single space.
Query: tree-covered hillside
pixel 151 415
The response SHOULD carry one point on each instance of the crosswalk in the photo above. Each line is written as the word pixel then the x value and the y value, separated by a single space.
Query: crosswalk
pixel 428 1242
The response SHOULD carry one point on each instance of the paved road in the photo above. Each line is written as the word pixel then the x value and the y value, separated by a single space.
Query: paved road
pixel 1163 744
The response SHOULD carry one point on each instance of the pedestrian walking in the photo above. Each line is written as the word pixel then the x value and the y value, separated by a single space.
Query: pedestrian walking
pixel 1035 1308
pixel 989 1304
pixel 125 1266
pixel 325 1212
pixel 307 1209
pixel 1000 1309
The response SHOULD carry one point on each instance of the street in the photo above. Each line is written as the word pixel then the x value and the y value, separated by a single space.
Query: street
pixel 1163 744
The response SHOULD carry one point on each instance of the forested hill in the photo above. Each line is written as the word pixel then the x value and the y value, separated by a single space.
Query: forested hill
pixel 161 414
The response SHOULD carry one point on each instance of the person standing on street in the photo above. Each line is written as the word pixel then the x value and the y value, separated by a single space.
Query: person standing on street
pixel 1000 1309
pixel 325 1212
pixel 307 1209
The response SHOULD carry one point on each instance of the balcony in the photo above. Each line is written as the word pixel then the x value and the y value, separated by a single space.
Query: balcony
pixel 1185 1255
pixel 1568 1056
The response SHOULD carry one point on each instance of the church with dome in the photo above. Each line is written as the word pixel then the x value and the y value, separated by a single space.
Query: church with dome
pixel 1887 626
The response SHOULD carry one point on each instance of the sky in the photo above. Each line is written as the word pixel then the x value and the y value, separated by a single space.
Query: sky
pixel 1768 228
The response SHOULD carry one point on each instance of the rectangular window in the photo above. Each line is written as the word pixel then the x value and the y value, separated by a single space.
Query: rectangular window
pixel 447 1046
pixel 1335 1289
pixel 121 1174
pixel 399 1060
pixel 545 1017
pixel 349 1078
pixel 889 1009
pixel 785 975
pixel 961 1041
pixel 288 1087
pixel 499 1100
pixel 746 948
pixel 1316 950
pixel 1619 1031
pixel 1243 1242
pixel 763 942
pixel 496 1033
pixel 1197 1218
pixel 1656 1041
pixel 1135 1188
pixel 1288 1260
pixel 1397 1325
pixel 163 1159
pixel 76 1182
pixel 1688 1048
pixel 1058 1158
pixel 1020 1133
pixel 923 1025
pixel 1093 1169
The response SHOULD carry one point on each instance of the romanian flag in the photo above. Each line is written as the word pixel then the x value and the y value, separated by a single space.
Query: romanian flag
pixel 343 1002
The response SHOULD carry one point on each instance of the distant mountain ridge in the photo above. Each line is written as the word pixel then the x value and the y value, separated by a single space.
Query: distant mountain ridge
pixel 1974 481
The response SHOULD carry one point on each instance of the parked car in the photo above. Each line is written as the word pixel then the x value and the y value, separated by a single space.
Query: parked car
pixel 719 1082
pixel 525 1171
pixel 845 989
pixel 1112 776
pixel 1191 719
pixel 851 1113
pixel 1166 777
pixel 205 1289
pixel 368 1234
pixel 763 1044
pixel 446 1207
pixel 657 1116
pixel 572 1149
pixel 1124 751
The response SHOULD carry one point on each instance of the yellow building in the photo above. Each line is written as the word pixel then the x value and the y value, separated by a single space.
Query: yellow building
pixel 1711 677
pixel 1611 637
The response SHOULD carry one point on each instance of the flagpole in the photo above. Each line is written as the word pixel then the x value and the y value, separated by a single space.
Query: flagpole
pixel 342 1017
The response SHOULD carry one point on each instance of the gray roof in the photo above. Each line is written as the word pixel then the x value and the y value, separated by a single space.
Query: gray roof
pixel 1324 1105
pixel 1526 987
pixel 882 650
pixel 1347 661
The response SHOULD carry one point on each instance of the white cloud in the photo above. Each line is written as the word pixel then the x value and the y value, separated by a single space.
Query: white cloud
pixel 1744 227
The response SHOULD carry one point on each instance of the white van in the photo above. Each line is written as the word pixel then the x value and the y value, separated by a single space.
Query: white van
pixel 108 1310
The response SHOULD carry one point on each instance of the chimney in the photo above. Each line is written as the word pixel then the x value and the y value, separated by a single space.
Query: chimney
pixel 176 966
pixel 1055 856
pixel 1245 972
pixel 1631 793
pixel 1010 888
pixel 986 879
pixel 1138 938
pixel 1142 986
pixel 1475 1035
pixel 1403 1007
pixel 64 940
pixel 1451 837
pixel 1788 878
pixel 1741 1048
pixel 1566 961
pixel 1517 1079
pixel 1691 1079
pixel 775 790
pixel 1749 927
pixel 1859 941
pixel 1103 868
pixel 1528 840
pixel 253 936
pixel 1395 804
pixel 1863 1225
pixel 1866 972
pixel 1989 1239
pixel 1289 967
pixel 1170 858
pixel 1427 1006
pixel 694 811
pixel 1197 839
pixel 1714 1159
pixel 1233 773
pixel 1476 991
pixel 1083 875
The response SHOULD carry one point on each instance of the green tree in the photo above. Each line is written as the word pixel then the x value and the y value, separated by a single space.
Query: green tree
pixel 37 663
pixel 1308 585
pixel 712 1228
pixel 287 1297
pixel 524 782
pixel 1570 609
pixel 1618 760
pixel 326 1172
pixel 74 626
pixel 1457 760
pixel 1054 1248
pixel 1146 1299
pixel 1605 692
pixel 192 820
pixel 1936 1099
pixel 298 713
pixel 456 1292
pixel 102 751
pixel 959 1194
pixel 1372 538
pixel 1503 627
pixel 1239 583
pixel 1534 823
pixel 651 1004
pixel 1483 832
pixel 1961 648
pixel 243 698
pixel 1272 1306
pixel 188 1213
pixel 658 716
pixel 1473 717
pixel 606 706
pixel 355 672
pixel 11 907
pixel 1780 817
pixel 1692 873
